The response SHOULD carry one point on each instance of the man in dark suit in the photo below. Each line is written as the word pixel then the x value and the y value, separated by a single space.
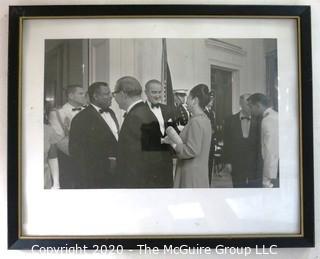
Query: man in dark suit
pixel 241 147
pixel 141 161
pixel 161 120
pixel 93 140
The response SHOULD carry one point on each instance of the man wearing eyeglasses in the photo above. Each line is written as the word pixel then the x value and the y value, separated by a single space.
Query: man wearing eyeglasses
pixel 93 140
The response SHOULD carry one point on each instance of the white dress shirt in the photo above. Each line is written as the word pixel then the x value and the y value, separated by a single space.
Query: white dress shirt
pixel 270 143
pixel 158 113
pixel 109 120
pixel 245 125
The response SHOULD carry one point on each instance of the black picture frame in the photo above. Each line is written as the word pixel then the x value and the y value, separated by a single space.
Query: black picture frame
pixel 301 13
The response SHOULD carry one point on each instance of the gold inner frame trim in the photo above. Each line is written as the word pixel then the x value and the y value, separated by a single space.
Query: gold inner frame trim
pixel 173 236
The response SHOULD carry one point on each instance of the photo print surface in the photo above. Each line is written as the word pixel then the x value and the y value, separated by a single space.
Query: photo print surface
pixel 161 113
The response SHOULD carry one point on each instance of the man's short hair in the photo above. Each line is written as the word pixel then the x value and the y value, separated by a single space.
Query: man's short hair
pixel 244 96
pixel 72 88
pixel 259 98
pixel 181 93
pixel 152 81
pixel 129 85
pixel 94 87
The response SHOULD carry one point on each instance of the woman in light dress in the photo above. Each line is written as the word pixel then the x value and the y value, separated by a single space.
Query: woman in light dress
pixel 192 146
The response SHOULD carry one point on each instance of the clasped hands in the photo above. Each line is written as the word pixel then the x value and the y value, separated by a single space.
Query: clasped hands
pixel 172 137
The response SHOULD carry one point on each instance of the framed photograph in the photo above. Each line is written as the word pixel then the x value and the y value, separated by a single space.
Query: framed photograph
pixel 181 127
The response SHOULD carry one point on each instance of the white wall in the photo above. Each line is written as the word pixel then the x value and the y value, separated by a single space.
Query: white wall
pixel 189 61
pixel 298 253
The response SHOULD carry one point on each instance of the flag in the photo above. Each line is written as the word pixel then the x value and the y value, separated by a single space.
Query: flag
pixel 168 98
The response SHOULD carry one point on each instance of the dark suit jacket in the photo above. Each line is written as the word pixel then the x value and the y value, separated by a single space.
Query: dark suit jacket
pixel 167 117
pixel 143 162
pixel 91 144
pixel 242 153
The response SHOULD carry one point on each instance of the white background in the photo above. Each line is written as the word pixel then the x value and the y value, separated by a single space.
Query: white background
pixel 282 253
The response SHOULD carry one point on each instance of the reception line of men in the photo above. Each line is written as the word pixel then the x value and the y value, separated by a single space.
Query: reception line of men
pixel 132 157
pixel 105 156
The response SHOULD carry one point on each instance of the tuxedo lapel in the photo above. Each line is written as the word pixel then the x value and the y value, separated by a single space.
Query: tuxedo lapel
pixel 166 117
pixel 165 114
pixel 101 120
pixel 154 118
pixel 253 126
pixel 115 119
pixel 237 124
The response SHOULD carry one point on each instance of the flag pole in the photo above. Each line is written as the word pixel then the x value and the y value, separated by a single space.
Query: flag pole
pixel 166 79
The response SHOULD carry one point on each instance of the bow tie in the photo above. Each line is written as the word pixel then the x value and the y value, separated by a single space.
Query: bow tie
pixel 155 105
pixel 104 110
pixel 245 118
pixel 76 109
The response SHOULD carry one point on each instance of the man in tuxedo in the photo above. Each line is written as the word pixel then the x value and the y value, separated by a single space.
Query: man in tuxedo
pixel 260 106
pixel 142 161
pixel 93 140
pixel 60 120
pixel 162 119
pixel 241 147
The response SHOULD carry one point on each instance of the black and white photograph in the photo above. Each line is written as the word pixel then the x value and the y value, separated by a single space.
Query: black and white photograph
pixel 186 113
pixel 163 125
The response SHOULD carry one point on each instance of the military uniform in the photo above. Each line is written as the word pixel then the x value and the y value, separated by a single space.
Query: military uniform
pixel 60 120
pixel 181 115
pixel 270 146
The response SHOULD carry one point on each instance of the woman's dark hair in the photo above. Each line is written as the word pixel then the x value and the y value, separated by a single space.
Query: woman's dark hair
pixel 201 91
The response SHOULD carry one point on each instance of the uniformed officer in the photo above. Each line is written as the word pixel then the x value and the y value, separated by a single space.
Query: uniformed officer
pixel 260 106
pixel 60 120
pixel 181 113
